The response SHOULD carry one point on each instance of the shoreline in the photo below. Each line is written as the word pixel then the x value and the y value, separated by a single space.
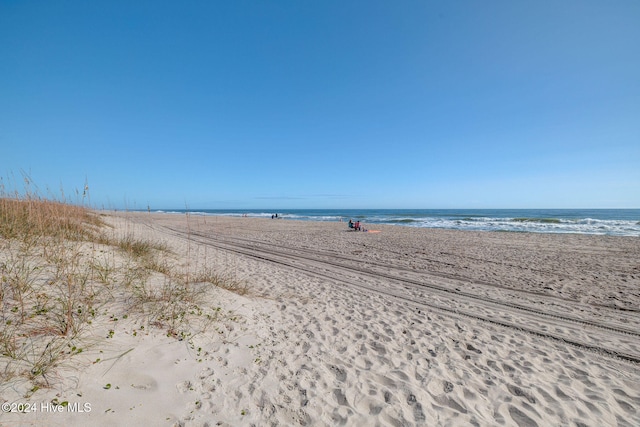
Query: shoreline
pixel 619 222
pixel 406 326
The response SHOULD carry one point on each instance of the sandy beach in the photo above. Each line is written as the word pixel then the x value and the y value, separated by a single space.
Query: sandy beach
pixel 406 326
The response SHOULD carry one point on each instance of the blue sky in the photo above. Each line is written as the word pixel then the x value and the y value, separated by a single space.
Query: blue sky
pixel 324 104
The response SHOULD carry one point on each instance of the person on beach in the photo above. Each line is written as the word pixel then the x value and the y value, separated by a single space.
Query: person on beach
pixel 357 227
pixel 350 223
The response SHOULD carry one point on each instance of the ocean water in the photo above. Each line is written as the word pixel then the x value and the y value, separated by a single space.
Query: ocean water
pixel 615 222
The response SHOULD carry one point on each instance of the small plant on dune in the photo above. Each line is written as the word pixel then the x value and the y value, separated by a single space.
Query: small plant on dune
pixel 18 277
pixel 224 281
pixel 135 247
pixel 103 269
pixel 164 302
pixel 145 254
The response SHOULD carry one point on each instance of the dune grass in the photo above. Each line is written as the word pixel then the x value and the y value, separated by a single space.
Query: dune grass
pixel 31 220
pixel 62 273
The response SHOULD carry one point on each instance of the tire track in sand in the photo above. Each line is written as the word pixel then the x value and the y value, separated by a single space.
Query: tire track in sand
pixel 600 337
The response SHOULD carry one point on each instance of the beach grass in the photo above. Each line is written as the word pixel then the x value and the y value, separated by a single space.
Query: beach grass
pixel 64 273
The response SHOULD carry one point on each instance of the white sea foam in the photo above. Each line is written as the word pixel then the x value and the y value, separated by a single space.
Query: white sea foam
pixel 585 226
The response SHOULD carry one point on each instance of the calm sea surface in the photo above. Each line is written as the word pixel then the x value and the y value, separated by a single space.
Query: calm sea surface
pixel 617 222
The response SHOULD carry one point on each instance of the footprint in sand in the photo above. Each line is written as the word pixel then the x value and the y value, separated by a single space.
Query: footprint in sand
pixel 418 413
pixel 517 391
pixel 451 403
pixel 520 418
pixel 562 395
pixel 341 374
pixel 182 387
pixel 140 381
pixel 472 348
pixel 340 397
